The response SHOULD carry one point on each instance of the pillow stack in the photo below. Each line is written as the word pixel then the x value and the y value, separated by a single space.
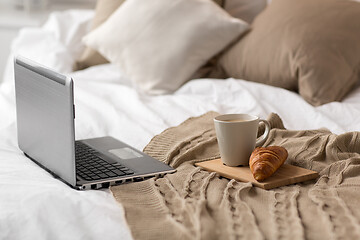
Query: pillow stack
pixel 242 9
pixel 160 44
pixel 307 46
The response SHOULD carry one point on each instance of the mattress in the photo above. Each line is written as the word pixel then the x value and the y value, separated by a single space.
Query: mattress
pixel 34 205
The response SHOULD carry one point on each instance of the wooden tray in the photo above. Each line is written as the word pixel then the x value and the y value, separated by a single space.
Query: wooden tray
pixel 285 175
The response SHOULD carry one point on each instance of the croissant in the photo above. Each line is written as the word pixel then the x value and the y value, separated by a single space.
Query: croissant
pixel 265 161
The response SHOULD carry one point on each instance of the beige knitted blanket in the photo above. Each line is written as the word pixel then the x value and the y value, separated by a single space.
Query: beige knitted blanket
pixel 196 204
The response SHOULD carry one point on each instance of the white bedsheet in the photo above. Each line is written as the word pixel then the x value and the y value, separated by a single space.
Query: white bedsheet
pixel 34 205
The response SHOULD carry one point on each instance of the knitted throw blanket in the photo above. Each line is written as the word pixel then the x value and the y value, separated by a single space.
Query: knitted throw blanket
pixel 196 204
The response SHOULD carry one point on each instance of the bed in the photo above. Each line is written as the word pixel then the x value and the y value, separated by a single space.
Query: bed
pixel 34 205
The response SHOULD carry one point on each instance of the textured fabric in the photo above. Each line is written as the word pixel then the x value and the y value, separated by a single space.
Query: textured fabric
pixel 166 45
pixel 196 204
pixel 309 46
pixel 90 57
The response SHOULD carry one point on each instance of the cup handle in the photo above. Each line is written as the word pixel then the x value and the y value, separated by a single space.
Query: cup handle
pixel 260 140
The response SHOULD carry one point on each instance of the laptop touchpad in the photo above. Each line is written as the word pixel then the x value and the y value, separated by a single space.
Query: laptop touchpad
pixel 125 153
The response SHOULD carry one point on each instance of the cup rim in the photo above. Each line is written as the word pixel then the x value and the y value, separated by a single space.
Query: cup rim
pixel 224 118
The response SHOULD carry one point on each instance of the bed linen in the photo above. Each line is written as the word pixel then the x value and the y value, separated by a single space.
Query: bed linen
pixel 34 205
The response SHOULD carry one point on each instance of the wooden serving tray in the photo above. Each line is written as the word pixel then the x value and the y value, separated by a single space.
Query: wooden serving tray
pixel 285 175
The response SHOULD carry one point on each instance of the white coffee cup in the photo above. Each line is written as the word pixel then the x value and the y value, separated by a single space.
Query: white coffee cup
pixel 236 135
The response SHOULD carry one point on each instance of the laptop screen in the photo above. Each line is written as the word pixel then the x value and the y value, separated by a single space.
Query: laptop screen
pixel 45 117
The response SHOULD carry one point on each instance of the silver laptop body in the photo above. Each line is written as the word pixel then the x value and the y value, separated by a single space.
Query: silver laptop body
pixel 46 134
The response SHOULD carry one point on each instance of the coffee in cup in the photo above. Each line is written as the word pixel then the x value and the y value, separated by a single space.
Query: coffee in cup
pixel 236 135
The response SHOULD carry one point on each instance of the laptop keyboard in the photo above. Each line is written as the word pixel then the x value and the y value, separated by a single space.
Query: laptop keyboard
pixel 91 167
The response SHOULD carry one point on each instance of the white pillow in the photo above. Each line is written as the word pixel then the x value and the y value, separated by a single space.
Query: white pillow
pixel 159 44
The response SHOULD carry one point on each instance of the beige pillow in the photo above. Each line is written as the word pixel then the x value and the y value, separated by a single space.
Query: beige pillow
pixel 310 46
pixel 246 10
pixel 90 57
pixel 167 41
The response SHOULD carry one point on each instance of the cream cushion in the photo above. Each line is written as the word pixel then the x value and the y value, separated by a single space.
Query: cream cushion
pixel 160 44
pixel 103 10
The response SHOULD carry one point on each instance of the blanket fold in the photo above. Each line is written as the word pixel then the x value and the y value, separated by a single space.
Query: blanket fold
pixel 196 204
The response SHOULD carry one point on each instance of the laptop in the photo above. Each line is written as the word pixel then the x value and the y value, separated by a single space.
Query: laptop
pixel 46 134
